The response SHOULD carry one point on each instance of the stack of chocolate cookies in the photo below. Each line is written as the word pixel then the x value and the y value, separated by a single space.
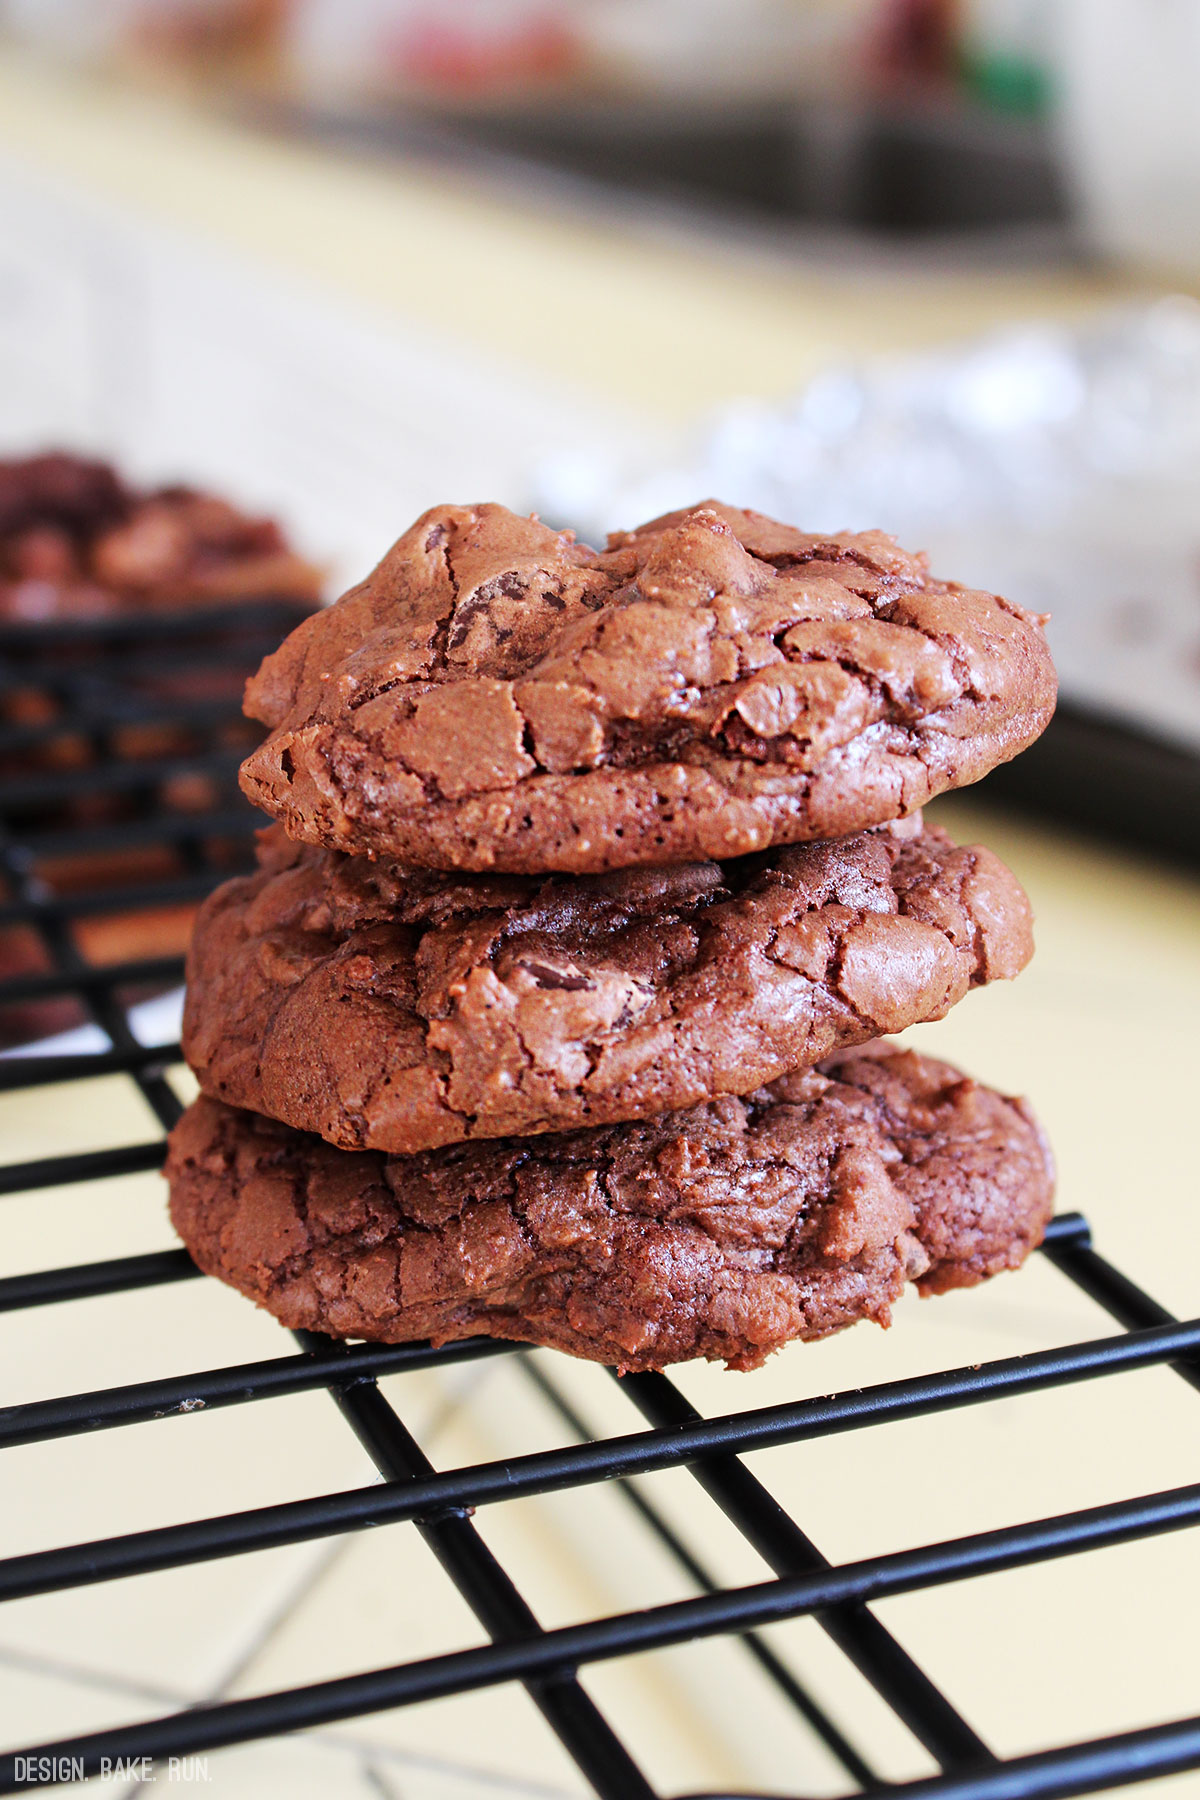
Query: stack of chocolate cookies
pixel 553 1012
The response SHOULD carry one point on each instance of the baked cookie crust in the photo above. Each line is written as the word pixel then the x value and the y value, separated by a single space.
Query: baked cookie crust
pixel 498 696
pixel 722 1232
pixel 395 1010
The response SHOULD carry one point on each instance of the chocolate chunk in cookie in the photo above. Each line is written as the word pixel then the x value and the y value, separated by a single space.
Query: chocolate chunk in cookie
pixel 497 696
pixel 722 1232
pixel 396 1010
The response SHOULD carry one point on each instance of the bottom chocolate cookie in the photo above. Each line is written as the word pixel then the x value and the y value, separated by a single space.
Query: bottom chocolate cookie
pixel 724 1231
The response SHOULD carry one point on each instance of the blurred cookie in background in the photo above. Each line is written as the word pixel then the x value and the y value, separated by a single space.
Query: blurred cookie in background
pixel 77 542
pixel 129 621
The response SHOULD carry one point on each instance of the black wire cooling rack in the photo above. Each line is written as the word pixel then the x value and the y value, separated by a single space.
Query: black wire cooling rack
pixel 121 744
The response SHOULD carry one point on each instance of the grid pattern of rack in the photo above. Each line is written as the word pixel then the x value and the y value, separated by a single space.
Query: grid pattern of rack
pixel 174 817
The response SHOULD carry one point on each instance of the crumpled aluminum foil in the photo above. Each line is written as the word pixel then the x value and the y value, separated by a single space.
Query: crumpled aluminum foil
pixel 1057 466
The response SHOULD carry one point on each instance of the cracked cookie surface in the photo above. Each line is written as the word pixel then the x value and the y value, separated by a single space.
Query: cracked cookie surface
pixel 397 1010
pixel 497 696
pixel 722 1232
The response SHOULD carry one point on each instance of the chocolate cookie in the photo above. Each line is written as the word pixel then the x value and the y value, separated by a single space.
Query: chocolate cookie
pixel 396 1010
pixel 76 542
pixel 23 953
pixel 496 696
pixel 721 1232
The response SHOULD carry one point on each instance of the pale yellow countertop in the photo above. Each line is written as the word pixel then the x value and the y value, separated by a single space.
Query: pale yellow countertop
pixel 667 323
pixel 1099 1033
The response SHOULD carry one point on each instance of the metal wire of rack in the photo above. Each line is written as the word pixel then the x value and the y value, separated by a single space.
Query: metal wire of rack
pixel 117 825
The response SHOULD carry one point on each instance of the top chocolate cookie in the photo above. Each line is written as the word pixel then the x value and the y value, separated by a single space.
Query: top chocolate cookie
pixel 497 696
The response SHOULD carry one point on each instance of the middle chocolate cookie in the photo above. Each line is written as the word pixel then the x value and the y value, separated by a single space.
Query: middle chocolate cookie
pixel 390 1009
